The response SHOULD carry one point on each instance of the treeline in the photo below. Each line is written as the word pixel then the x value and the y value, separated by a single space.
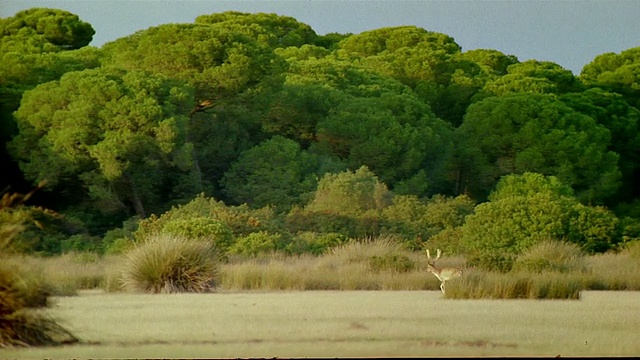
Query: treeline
pixel 391 131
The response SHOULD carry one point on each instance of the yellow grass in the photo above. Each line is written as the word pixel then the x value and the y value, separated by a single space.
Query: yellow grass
pixel 341 324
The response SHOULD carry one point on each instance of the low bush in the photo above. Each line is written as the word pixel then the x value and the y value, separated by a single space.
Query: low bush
pixel 201 228
pixel 256 243
pixel 314 243
pixel 169 264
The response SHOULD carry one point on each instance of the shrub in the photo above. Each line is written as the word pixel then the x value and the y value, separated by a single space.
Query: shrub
pixel 241 220
pixel 199 228
pixel 449 240
pixel 169 264
pixel 314 243
pixel 256 243
pixel 550 255
pixel 349 193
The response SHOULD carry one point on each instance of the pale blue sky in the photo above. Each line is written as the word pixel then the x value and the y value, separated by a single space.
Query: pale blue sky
pixel 570 33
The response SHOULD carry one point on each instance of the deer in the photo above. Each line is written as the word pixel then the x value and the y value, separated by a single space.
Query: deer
pixel 443 274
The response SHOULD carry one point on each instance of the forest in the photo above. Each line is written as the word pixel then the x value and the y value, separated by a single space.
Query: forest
pixel 257 133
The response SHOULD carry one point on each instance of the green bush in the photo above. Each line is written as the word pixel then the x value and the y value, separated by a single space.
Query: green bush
pixel 241 220
pixel 517 218
pixel 119 246
pixel 199 228
pixel 550 255
pixel 256 243
pixel 169 264
pixel 81 242
pixel 314 243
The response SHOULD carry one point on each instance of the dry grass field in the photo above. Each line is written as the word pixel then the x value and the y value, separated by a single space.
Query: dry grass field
pixel 340 324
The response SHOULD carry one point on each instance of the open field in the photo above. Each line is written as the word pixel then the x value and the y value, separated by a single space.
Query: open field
pixel 340 323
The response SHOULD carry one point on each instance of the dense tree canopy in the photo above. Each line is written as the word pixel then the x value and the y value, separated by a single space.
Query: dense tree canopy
pixel 394 130
pixel 536 133
pixel 119 135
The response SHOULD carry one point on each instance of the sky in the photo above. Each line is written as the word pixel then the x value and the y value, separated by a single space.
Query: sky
pixel 569 33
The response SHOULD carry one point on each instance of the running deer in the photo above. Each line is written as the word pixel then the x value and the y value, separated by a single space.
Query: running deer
pixel 442 274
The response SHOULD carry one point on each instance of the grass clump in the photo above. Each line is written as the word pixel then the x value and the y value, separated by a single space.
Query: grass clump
pixel 20 324
pixel 615 271
pixel 551 256
pixel 171 264
pixel 481 284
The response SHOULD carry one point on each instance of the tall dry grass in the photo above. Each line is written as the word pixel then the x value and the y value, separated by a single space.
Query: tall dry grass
pixel 615 271
pixel 369 264
pixel 63 275
pixel 550 271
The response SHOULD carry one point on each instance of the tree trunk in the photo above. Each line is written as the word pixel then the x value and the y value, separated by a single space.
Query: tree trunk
pixel 196 166
pixel 134 196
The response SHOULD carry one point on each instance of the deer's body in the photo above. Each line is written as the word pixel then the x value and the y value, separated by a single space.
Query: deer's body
pixel 442 274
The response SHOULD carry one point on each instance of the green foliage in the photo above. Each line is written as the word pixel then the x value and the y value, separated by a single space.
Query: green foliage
pixel 623 121
pixel 170 264
pixel 516 219
pixel 418 221
pixel 406 53
pixel 314 243
pixel 219 59
pixel 616 72
pixel 349 193
pixel 201 228
pixel 536 133
pixel 274 30
pixel 443 212
pixel 275 172
pixel 257 243
pixel 529 184
pixel 55 27
pixel 493 61
pixel 205 217
pixel 532 76
pixel 393 135
pixel 81 243
pixel 296 110
pixel 296 127
pixel 112 133
pixel 119 240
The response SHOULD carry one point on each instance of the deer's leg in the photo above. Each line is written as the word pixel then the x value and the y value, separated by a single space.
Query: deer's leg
pixel 442 287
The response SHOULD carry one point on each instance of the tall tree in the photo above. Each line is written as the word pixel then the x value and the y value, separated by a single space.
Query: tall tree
pixel 612 111
pixel 36 46
pixel 616 72
pixel 272 29
pixel 116 137
pixel 536 133
pixel 276 172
